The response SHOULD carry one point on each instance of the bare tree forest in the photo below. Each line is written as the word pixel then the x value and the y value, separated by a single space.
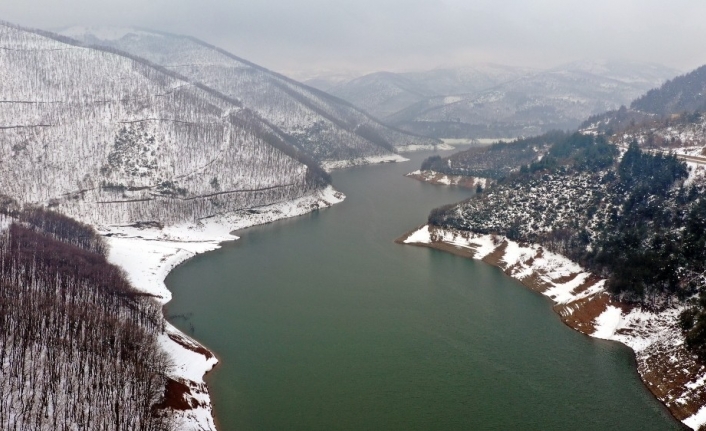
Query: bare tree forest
pixel 78 345
pixel 111 139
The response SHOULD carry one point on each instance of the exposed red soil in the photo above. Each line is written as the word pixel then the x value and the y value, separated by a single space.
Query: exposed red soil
pixel 177 396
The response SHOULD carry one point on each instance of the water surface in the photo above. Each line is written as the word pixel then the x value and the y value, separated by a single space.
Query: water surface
pixel 323 323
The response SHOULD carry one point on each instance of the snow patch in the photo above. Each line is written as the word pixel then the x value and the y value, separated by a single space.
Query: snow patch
pixel 422 147
pixel 452 99
pixel 330 165
pixel 435 177
pixel 607 323
pixel 420 236
pixel 696 420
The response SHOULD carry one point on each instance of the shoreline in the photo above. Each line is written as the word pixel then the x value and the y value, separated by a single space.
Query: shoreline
pixel 149 254
pixel 439 179
pixel 330 165
pixel 396 157
pixel 668 371
pixel 443 146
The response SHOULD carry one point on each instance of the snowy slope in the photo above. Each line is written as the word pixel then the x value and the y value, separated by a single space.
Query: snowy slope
pixel 110 139
pixel 113 140
pixel 668 118
pixel 325 127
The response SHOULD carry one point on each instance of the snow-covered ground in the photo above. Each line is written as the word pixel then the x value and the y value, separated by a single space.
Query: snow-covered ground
pixel 417 147
pixel 148 254
pixel 330 165
pixel 666 367
pixel 434 177
pixel 325 128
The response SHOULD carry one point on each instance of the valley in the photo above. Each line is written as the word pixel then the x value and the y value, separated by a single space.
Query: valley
pixel 190 240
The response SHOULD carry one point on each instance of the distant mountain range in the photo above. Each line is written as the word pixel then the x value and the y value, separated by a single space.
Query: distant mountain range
pixel 325 127
pixel 384 93
pixel 491 101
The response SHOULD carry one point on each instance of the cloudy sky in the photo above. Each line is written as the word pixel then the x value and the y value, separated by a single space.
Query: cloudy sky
pixel 305 37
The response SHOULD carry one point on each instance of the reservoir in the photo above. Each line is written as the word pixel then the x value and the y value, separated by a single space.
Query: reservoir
pixel 322 322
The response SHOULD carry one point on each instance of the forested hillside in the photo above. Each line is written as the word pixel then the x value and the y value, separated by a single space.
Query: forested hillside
pixel 78 345
pixel 323 126
pixel 112 139
pixel 496 160
pixel 669 117
pixel 683 93
pixel 385 93
pixel 635 221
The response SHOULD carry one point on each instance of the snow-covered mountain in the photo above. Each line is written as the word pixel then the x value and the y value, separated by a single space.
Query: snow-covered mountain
pixel 386 93
pixel 327 128
pixel 111 139
pixel 507 102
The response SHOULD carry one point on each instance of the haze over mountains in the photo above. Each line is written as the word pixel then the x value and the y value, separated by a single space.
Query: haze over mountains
pixel 491 101
pixel 385 93
pixel 126 151
pixel 135 131
pixel 323 126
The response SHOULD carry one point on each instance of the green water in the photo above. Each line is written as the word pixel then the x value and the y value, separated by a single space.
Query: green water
pixel 323 323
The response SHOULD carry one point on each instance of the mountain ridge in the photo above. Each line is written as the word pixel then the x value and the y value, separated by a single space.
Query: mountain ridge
pixel 326 127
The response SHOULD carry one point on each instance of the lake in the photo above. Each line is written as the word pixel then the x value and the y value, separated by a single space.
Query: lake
pixel 322 322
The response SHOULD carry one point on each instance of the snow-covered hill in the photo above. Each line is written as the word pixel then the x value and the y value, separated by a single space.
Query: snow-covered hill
pixel 323 126
pixel 110 139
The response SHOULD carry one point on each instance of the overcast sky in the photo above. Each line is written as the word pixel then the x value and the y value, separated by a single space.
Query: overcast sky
pixel 303 37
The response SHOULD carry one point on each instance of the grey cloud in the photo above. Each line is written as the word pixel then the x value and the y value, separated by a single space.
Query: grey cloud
pixel 366 35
